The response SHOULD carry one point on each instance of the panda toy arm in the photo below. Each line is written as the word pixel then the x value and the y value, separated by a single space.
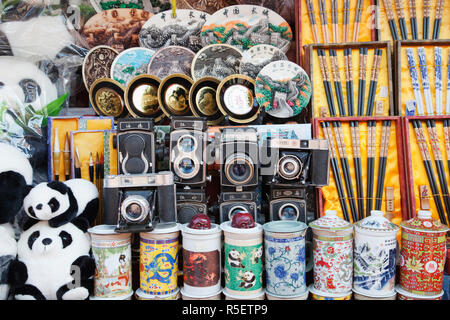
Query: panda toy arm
pixel 82 270
pixel 17 276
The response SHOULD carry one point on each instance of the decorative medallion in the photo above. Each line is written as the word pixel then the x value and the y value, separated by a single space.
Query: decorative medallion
pixel 173 95
pixel 97 64
pixel 129 64
pixel 170 60
pixel 106 97
pixel 202 100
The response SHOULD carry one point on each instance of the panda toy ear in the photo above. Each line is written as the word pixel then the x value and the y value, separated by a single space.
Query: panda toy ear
pixel 5 47
pixel 81 223
pixel 50 69
pixel 58 186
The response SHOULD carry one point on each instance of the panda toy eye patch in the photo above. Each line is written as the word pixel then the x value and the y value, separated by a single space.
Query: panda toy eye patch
pixel 53 204
pixel 66 238
pixel 31 90
pixel 34 236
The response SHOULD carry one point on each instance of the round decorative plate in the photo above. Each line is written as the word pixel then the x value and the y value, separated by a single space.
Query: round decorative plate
pixel 141 97
pixel 245 26
pixel 236 98
pixel 107 98
pixel 130 63
pixel 170 60
pixel 257 57
pixel 117 28
pixel 97 64
pixel 173 95
pixel 163 30
pixel 283 89
pixel 202 100
pixel 216 60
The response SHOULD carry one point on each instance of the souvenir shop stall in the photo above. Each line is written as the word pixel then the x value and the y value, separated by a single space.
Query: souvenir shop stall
pixel 224 150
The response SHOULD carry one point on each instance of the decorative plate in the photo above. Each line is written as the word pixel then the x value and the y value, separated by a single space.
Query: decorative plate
pixel 97 64
pixel 107 98
pixel 202 100
pixel 141 97
pixel 216 60
pixel 169 60
pixel 245 26
pixel 283 89
pixel 173 95
pixel 163 30
pixel 117 28
pixel 236 98
pixel 257 57
pixel 129 64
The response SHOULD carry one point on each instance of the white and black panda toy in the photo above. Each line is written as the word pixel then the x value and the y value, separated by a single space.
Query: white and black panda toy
pixel 53 263
pixel 61 202
pixel 16 177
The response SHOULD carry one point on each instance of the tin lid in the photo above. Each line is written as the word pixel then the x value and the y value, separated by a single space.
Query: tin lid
pixel 226 226
pixel 330 222
pixel 284 226
pixel 376 222
pixel 214 229
pixel 103 229
pixel 165 228
pixel 200 296
pixel 424 222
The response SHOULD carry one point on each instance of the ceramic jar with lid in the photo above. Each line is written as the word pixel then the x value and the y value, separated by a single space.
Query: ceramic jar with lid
pixel 333 255
pixel 422 255
pixel 374 260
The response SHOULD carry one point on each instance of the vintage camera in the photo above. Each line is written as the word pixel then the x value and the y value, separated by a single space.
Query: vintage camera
pixel 135 144
pixel 295 163
pixel 233 202
pixel 239 158
pixel 190 203
pixel 134 203
pixel 188 139
pixel 288 204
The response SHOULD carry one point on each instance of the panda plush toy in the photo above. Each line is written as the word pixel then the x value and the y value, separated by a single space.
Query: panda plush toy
pixel 62 202
pixel 53 263
pixel 16 177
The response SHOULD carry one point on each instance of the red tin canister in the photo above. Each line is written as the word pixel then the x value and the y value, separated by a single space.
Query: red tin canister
pixel 422 256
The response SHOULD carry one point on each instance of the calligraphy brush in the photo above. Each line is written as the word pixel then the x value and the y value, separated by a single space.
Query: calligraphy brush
pixel 327 131
pixel 312 20
pixel 413 18
pixel 77 165
pixel 335 20
pixel 66 156
pixel 357 20
pixel 401 18
pixel 385 136
pixel 346 20
pixel 438 18
pixel 390 16
pixel 56 155
pixel 323 20
pixel 91 168
pixel 426 17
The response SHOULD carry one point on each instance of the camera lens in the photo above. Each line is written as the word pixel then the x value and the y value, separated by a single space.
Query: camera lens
pixel 186 167
pixel 134 209
pixel 187 144
pixel 239 169
pixel 235 210
pixel 288 212
pixel 289 167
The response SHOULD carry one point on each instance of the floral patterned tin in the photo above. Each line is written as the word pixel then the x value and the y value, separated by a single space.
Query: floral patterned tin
pixel 285 255
pixel 333 255
pixel 374 259
pixel 243 260
pixel 159 260
pixel 422 255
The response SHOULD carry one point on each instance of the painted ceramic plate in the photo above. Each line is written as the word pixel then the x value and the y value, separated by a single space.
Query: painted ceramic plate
pixel 97 64
pixel 202 100
pixel 163 30
pixel 170 60
pixel 216 60
pixel 141 97
pixel 107 98
pixel 173 95
pixel 283 89
pixel 236 98
pixel 257 57
pixel 117 28
pixel 129 64
pixel 245 26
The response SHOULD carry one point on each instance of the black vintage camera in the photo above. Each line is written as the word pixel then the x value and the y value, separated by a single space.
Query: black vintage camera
pixel 136 202
pixel 295 163
pixel 233 202
pixel 288 204
pixel 190 203
pixel 239 158
pixel 188 139
pixel 135 144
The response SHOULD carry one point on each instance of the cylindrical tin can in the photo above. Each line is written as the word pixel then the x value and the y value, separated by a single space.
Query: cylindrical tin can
pixel 333 255
pixel 374 259
pixel 285 258
pixel 319 295
pixel 243 260
pixel 422 255
pixel 405 295
pixel 141 295
pixel 159 260
pixel 201 260
pixel 112 254
pixel 447 263
pixel 187 296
